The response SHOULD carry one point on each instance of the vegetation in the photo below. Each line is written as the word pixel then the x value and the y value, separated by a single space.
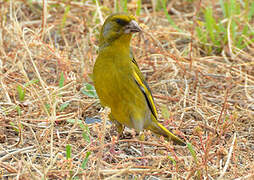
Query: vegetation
pixel 198 60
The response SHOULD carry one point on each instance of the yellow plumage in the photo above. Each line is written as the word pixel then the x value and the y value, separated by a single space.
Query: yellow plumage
pixel 119 82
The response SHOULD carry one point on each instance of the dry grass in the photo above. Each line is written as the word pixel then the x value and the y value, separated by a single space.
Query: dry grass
pixel 207 100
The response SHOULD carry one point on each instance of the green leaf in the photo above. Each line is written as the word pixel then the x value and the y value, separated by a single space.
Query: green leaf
pixel 86 131
pixel 81 125
pixel 73 121
pixel 89 90
pixel 63 106
pixel 15 128
pixel 84 163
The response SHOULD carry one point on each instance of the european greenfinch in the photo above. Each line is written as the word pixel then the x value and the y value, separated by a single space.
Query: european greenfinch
pixel 119 82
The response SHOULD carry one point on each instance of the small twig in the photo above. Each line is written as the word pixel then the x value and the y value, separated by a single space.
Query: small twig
pixel 229 157
pixel 223 107
pixel 166 97
pixel 136 150
pixel 184 100
pixel 104 115
pixel 99 11
pixel 229 38
pixel 44 18
pixel 118 174
pixel 249 176
pixel 8 167
pixel 26 149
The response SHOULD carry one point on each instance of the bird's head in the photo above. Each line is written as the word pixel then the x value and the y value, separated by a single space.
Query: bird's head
pixel 118 25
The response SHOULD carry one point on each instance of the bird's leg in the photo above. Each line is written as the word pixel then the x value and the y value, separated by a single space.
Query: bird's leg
pixel 120 129
pixel 142 138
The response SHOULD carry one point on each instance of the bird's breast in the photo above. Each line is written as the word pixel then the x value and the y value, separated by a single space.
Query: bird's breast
pixel 112 78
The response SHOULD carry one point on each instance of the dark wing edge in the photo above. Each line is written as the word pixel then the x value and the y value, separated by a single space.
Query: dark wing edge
pixel 143 86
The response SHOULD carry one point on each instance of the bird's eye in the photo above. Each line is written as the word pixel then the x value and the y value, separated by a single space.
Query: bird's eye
pixel 121 22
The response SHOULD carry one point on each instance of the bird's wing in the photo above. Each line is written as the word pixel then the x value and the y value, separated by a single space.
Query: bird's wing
pixel 143 86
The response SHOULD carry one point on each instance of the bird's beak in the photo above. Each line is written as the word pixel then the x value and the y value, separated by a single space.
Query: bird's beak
pixel 132 27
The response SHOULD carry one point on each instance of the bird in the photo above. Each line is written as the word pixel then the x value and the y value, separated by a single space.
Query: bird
pixel 119 83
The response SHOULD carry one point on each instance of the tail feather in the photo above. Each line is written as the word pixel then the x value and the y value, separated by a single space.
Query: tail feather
pixel 159 129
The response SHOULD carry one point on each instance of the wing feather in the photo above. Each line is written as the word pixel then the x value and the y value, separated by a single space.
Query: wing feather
pixel 143 86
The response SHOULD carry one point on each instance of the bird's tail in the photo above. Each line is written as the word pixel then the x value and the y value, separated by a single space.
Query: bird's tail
pixel 159 129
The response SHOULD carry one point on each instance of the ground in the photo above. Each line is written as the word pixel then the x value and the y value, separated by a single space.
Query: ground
pixel 53 127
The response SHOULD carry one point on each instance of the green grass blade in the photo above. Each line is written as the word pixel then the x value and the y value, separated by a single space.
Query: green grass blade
pixel 164 6
pixel 232 7
pixel 209 23
pixel 18 110
pixel 172 160
pixel 66 11
pixel 240 43
pixel 68 151
pixel 233 29
pixel 116 6
pixel 61 81
pixel 124 5
pixel 15 128
pixel 139 7
pixel 194 155
pixel 21 93
pixel 192 151
pixel 222 5
pixel 84 163
pixel 47 107
pixel 251 11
